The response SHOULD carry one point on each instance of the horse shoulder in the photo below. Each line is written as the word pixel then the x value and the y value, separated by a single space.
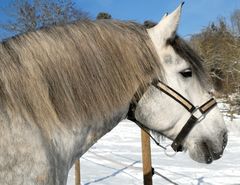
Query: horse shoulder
pixel 24 155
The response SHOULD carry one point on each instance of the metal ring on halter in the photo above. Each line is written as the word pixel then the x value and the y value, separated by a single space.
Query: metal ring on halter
pixel 169 151
pixel 198 114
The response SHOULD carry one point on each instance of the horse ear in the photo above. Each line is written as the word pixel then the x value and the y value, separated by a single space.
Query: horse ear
pixel 167 27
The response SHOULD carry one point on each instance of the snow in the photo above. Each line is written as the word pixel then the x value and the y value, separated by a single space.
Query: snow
pixel 116 159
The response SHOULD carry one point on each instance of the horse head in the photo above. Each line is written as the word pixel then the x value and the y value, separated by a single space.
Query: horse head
pixel 165 111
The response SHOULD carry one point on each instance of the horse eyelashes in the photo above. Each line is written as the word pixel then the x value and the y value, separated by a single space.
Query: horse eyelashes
pixel 187 73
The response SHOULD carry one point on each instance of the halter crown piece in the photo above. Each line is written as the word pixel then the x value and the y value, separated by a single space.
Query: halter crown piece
pixel 197 113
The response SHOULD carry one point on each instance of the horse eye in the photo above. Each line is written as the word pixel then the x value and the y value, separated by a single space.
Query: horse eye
pixel 186 73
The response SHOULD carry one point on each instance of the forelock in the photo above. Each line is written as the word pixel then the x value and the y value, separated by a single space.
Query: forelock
pixel 189 55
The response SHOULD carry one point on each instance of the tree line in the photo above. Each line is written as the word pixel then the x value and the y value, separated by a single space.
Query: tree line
pixel 219 46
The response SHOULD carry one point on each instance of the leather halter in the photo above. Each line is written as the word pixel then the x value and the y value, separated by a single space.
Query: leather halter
pixel 197 113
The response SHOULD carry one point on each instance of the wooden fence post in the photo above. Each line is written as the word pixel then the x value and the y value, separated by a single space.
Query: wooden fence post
pixel 77 173
pixel 146 158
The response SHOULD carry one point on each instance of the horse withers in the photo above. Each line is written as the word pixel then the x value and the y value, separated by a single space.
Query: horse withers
pixel 64 87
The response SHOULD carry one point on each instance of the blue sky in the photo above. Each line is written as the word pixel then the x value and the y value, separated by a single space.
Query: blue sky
pixel 196 13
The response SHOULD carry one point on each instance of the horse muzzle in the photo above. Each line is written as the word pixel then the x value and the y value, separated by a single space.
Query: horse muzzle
pixel 207 150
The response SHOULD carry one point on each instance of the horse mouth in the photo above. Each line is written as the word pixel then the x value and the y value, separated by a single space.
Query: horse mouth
pixel 205 152
pixel 209 154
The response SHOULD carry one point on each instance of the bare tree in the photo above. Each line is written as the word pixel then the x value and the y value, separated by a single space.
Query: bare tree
pixel 235 20
pixel 26 15
pixel 220 49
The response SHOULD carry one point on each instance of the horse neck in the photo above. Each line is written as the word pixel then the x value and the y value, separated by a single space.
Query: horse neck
pixel 72 145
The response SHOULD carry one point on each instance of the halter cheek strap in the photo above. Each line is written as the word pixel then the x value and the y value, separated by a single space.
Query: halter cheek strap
pixel 197 113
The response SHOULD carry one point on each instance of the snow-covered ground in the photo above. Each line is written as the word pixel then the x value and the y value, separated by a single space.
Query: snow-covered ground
pixel 116 160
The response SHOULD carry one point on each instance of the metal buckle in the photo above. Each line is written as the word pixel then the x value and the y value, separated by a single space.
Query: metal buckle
pixel 198 114
pixel 169 151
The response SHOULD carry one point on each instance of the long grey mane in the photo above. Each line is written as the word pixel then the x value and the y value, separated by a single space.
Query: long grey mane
pixel 65 75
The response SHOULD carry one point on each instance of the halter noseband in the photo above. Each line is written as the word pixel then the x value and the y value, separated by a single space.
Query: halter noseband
pixel 197 113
